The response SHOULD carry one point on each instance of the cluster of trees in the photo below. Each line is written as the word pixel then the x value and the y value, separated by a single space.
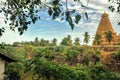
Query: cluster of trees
pixel 113 63
pixel 68 54
pixel 46 70
pixel 60 63
pixel 108 36
pixel 65 41
pixel 20 14
pixel 53 71
pixel 37 42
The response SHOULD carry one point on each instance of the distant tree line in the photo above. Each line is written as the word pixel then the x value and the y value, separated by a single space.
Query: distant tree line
pixel 66 41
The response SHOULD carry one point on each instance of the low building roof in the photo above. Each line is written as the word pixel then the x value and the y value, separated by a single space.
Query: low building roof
pixel 6 58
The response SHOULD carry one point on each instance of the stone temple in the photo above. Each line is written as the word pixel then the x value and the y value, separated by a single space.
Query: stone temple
pixel 104 26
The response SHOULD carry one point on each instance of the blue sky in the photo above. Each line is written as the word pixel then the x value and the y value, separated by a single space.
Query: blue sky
pixel 48 29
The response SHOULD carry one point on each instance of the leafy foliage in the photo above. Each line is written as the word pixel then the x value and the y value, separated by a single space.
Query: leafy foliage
pixel 21 14
pixel 2 30
pixel 86 15
pixel 36 41
pixel 109 36
pixel 114 61
pixel 58 62
pixel 115 6
pixel 97 39
pixel 67 41
pixel 77 42
pixel 99 71
pixel 86 37
pixel 45 66
pixel 77 18
pixel 13 53
pixel 61 72
pixel 14 71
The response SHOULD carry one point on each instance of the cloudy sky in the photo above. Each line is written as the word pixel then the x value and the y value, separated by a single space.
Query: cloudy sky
pixel 48 29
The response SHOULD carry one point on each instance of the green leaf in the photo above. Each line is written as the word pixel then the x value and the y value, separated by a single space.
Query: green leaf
pixel 62 14
pixel 73 11
pixel 29 22
pixel 27 1
pixel 21 32
pixel 67 15
pixel 72 25
pixel 77 18
pixel 2 30
pixel 19 29
pixel 36 11
pixel 50 11
pixel 69 19
pixel 5 21
pixel 25 27
pixel 55 15
pixel 39 18
pixel 56 2
pixel 71 22
pixel 86 15
pixel 0 11
pixel 34 19
pixel 16 24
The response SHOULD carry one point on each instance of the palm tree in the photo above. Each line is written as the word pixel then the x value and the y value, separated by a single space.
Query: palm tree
pixel 36 42
pixel 98 38
pixel 67 41
pixel 64 41
pixel 77 41
pixel 86 38
pixel 42 42
pixel 54 41
pixel 109 36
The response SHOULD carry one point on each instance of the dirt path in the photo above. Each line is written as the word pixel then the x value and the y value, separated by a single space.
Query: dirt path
pixel 105 56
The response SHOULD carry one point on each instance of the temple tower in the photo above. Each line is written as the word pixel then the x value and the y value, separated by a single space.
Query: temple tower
pixel 104 26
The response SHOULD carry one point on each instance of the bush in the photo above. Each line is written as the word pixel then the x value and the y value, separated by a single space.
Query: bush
pixel 99 72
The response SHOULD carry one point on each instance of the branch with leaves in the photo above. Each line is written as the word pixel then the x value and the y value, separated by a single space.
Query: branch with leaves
pixel 115 6
pixel 21 13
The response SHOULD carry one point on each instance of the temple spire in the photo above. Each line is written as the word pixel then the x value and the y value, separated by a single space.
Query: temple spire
pixel 103 27
pixel 105 24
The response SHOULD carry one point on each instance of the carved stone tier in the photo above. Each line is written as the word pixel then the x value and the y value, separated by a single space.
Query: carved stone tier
pixel 104 26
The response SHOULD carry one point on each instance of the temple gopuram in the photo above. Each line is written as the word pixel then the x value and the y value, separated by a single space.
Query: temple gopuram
pixel 103 27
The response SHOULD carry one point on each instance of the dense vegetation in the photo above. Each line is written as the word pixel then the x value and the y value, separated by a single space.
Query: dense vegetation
pixel 42 60
pixel 20 14
pixel 66 61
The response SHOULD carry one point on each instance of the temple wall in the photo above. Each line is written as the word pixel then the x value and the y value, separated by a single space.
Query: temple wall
pixel 104 26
